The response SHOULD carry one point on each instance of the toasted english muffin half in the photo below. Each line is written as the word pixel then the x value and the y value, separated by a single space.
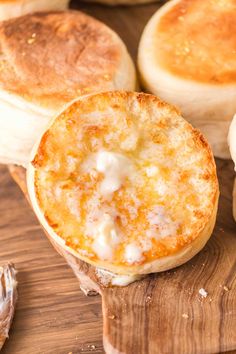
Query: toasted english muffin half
pixel 15 8
pixel 121 2
pixel 188 58
pixel 232 146
pixel 124 183
pixel 46 61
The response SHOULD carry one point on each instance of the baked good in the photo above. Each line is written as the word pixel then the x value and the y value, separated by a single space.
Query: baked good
pixel 46 61
pixel 121 2
pixel 15 8
pixel 232 146
pixel 123 182
pixel 188 58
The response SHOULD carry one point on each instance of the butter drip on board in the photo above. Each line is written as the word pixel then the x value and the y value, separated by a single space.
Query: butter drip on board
pixel 107 278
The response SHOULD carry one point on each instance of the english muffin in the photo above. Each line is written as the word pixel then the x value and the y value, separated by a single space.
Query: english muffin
pixel 188 58
pixel 46 61
pixel 15 8
pixel 123 182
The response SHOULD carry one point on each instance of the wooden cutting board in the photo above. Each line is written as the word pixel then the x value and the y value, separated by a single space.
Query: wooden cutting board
pixel 54 317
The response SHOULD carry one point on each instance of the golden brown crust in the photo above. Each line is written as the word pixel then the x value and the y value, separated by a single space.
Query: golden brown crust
pixel 180 153
pixel 51 58
pixel 196 40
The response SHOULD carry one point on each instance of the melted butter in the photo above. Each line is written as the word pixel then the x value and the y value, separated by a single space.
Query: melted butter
pixel 133 254
pixel 106 238
pixel 110 279
pixel 115 168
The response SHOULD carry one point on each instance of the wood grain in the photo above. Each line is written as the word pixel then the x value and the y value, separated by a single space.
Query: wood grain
pixel 165 311
pixel 234 200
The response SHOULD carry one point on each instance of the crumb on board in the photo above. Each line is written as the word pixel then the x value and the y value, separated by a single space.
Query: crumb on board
pixel 185 315
pixel 112 317
pixel 31 40
pixel 87 347
pixel 91 347
pixel 224 287
pixel 203 292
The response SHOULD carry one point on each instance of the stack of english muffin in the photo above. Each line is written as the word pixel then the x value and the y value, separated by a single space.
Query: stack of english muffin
pixel 119 179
